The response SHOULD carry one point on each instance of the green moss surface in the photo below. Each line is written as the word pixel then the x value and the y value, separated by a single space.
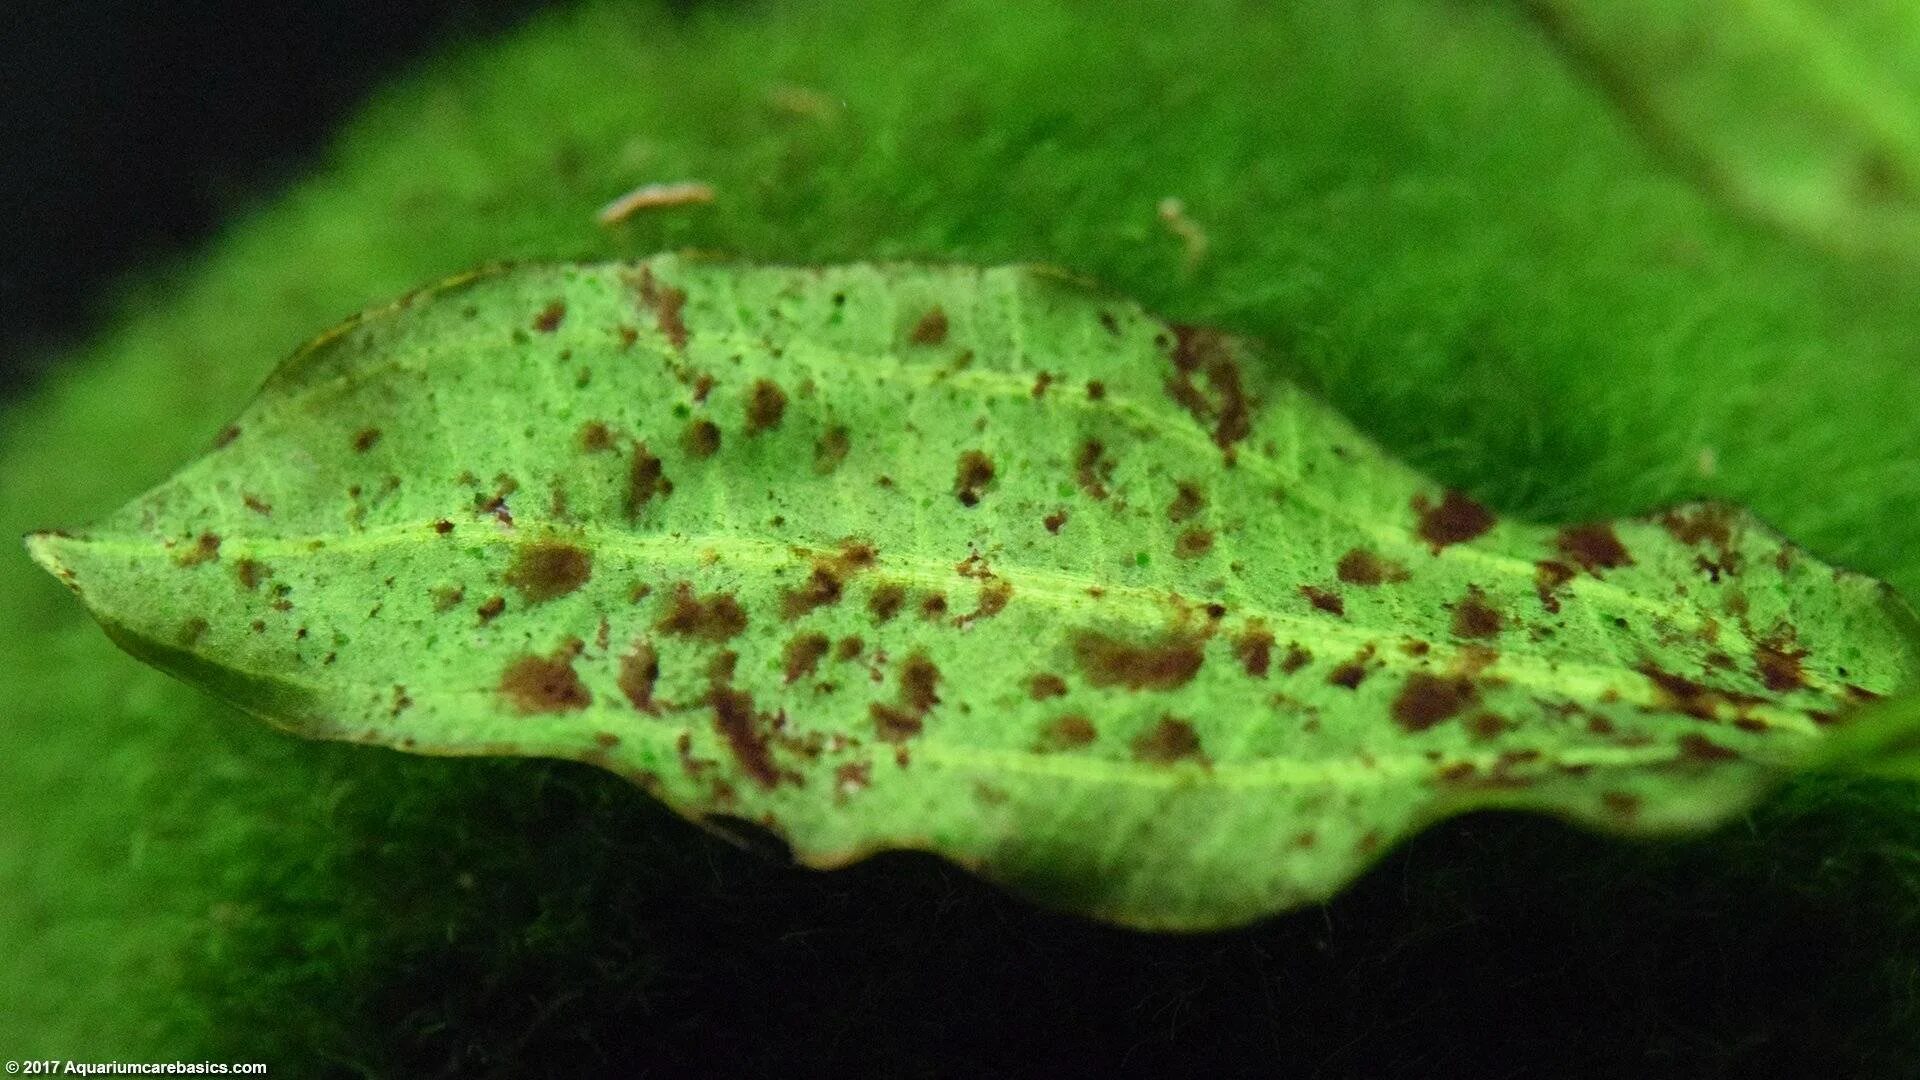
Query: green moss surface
pixel 1456 240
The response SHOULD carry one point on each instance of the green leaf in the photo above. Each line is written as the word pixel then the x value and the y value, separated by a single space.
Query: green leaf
pixel 1800 114
pixel 976 561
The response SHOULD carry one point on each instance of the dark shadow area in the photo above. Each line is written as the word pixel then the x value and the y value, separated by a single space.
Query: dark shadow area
pixel 134 129
pixel 530 919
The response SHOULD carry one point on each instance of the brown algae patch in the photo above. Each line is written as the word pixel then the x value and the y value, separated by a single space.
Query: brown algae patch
pixel 546 569
pixel 540 684
pixel 1166 664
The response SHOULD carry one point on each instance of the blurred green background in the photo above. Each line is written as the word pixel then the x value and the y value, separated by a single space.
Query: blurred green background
pixel 1576 261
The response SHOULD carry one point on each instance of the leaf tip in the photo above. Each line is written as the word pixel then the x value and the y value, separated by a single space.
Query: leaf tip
pixel 47 547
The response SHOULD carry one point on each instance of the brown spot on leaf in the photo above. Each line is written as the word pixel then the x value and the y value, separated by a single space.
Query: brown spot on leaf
pixel 802 654
pixel 1046 685
pixel 1351 673
pixel 972 474
pixel 716 618
pixel 1548 577
pixel 830 450
pixel 1360 566
pixel 1484 726
pixel 1159 665
pixel 886 600
pixel 1474 617
pixel 666 303
pixel 1296 658
pixel 491 607
pixel 701 439
pixel 1707 523
pixel 205 548
pixel 1096 390
pixel 1594 546
pixel 539 684
pixel 766 404
pixel 257 505
pixel 550 317
pixel 931 329
pixel 1187 501
pixel 827 580
pixel 639 672
pixel 1092 470
pixel 1193 543
pixel 1426 699
pixel 933 606
pixel 594 437
pixel 365 439
pixel 1778 663
pixel 919 680
pixel 1054 520
pixel 1620 803
pixel 1324 599
pixel 1069 732
pixel 1684 695
pixel 733 718
pixel 1699 748
pixel 252 572
pixel 1169 740
pixel 1455 520
pixel 547 569
pixel 1040 384
pixel 191 632
pixel 849 648
pixel 645 479
pixel 1254 647
pixel 995 593
pixel 1223 404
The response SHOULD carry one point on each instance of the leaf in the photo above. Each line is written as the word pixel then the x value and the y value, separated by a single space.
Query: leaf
pixel 1800 114
pixel 977 561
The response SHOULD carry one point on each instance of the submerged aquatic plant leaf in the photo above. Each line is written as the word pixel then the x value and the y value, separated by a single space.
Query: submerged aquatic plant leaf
pixel 1797 113
pixel 977 561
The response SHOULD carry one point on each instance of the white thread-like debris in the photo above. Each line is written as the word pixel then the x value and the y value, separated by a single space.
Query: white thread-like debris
pixel 654 197
pixel 1173 214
